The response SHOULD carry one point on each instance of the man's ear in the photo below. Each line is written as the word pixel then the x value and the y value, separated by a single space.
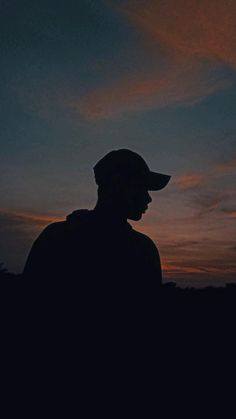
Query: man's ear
pixel 118 190
pixel 120 185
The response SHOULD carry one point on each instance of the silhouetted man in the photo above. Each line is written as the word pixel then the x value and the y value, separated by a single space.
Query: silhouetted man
pixel 97 250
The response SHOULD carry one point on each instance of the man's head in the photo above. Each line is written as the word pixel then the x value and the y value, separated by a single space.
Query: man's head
pixel 124 179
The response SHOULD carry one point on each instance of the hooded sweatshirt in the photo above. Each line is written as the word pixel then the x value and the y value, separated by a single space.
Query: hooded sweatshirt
pixel 88 252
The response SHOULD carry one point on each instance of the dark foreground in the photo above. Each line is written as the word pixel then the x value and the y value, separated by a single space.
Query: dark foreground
pixel 169 355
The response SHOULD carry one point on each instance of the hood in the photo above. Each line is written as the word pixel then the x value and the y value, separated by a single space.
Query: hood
pixel 78 216
pixel 91 219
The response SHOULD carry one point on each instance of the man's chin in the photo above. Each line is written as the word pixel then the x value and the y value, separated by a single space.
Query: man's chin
pixel 135 217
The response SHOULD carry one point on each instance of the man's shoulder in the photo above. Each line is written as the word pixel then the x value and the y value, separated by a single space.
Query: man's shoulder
pixel 143 239
pixel 53 230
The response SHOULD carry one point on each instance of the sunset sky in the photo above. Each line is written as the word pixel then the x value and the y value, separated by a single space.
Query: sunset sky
pixel 80 78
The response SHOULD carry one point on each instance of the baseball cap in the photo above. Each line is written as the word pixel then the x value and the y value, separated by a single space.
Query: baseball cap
pixel 126 164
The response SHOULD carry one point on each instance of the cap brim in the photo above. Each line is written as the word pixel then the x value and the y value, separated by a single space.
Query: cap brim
pixel 157 181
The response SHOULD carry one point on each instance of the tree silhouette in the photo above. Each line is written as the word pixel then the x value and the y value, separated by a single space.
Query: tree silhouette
pixel 6 275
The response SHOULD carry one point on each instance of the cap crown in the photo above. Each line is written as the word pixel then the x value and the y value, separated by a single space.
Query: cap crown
pixel 120 163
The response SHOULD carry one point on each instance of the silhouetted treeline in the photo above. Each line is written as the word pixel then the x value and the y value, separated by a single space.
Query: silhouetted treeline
pixel 6 275
pixel 169 289
pixel 96 301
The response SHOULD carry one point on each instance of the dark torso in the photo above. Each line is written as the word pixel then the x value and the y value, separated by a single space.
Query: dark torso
pixel 89 253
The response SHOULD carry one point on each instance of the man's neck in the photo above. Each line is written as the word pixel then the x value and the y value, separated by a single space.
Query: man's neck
pixel 110 212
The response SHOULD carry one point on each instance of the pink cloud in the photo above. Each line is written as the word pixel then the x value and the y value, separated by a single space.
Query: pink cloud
pixel 200 28
pixel 230 213
pixel 191 36
pixel 226 167
pixel 189 181
pixel 175 86
pixel 27 221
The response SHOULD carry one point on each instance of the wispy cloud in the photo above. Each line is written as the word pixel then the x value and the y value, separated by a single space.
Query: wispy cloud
pixel 182 85
pixel 226 167
pixel 195 28
pixel 189 181
pixel 22 219
pixel 202 262
pixel 215 170
pixel 193 37
pixel 197 248
pixel 208 203
pixel 229 213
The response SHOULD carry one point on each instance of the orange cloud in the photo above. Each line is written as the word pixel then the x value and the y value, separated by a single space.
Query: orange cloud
pixel 227 167
pixel 23 220
pixel 230 214
pixel 194 251
pixel 200 28
pixel 184 84
pixel 189 181
pixel 206 264
pixel 217 170
pixel 195 27
pixel 190 36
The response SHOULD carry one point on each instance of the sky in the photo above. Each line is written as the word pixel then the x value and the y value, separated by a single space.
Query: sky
pixel 81 78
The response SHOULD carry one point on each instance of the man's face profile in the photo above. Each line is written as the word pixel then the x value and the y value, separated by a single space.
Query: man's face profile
pixel 135 199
